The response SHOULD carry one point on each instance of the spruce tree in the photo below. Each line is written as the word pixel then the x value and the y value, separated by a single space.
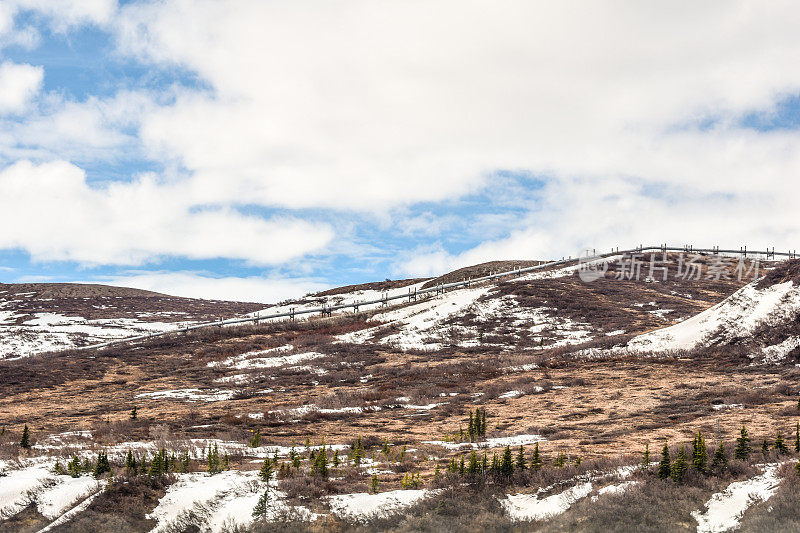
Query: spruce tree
pixel 485 463
pixel 373 488
pixel 260 510
pixel 185 462
pixel 797 437
pixel 507 463
pixel 699 453
pixel 536 459
pixel 664 467
pixel 102 466
pixel 560 460
pixel 765 447
pixel 520 463
pixel 720 458
pixel 320 466
pixel 335 461
pixel 472 466
pixel 680 466
pixel 742 449
pixel 495 467
pixel 645 464
pixel 780 445
pixel 461 468
pixel 266 470
pixel 256 441
pixel 134 413
pixel 25 442
pixel 471 427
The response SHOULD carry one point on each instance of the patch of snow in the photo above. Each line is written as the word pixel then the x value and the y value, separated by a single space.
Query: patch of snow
pixel 189 395
pixel 364 505
pixel 511 394
pixel 725 509
pixel 53 501
pixel 721 406
pixel 495 442
pixel 17 484
pixel 524 507
pixel 737 315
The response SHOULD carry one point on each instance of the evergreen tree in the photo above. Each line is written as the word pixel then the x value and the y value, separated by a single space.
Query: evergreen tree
pixel 780 445
pixel 358 452
pixel 156 466
pixel 102 466
pixel 742 449
pixel 646 457
pixel 134 413
pixel 320 466
pixel 699 453
pixel 385 450
pixel 495 467
pixel 560 460
pixel 797 437
pixel 74 468
pixel 577 461
pixel 765 447
pixel 507 463
pixel 130 464
pixel 461 468
pixel 266 470
pixel 260 510
pixel 335 459
pixel 373 488
pixel 680 466
pixel 536 459
pixel 472 467
pixel 256 442
pixel 185 462
pixel 485 463
pixel 664 467
pixel 25 442
pixel 720 458
pixel 520 463
pixel 214 465
pixel 471 427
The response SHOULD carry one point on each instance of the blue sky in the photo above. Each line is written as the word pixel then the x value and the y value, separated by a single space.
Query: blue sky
pixel 258 151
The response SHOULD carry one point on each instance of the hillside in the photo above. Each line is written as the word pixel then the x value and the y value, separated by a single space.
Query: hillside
pixel 39 317
pixel 591 371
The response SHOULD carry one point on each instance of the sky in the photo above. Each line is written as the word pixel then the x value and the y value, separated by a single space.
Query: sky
pixel 260 150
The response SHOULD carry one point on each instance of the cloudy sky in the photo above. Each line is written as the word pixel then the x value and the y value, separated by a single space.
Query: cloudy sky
pixel 258 150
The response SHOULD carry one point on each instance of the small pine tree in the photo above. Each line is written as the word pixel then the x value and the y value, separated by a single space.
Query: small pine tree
pixel 256 441
pixel 102 466
pixel 680 466
pixel 560 460
pixel 130 464
pixel 25 442
pixel 260 510
pixel 134 413
pixel 507 463
pixel 373 487
pixel 536 459
pixel 780 445
pixel 74 467
pixel 485 463
pixel 185 462
pixel 645 464
pixel 335 459
pixel 471 427
pixel 797 437
pixel 357 452
pixel 765 447
pixel 664 467
pixel 461 467
pixel 320 465
pixel 742 449
pixel 495 467
pixel 699 453
pixel 577 461
pixel 266 470
pixel 472 466
pixel 520 462
pixel 720 458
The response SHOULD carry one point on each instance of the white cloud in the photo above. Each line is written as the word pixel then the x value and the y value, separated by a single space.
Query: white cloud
pixel 19 83
pixel 64 14
pixel 198 285
pixel 364 105
pixel 51 212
